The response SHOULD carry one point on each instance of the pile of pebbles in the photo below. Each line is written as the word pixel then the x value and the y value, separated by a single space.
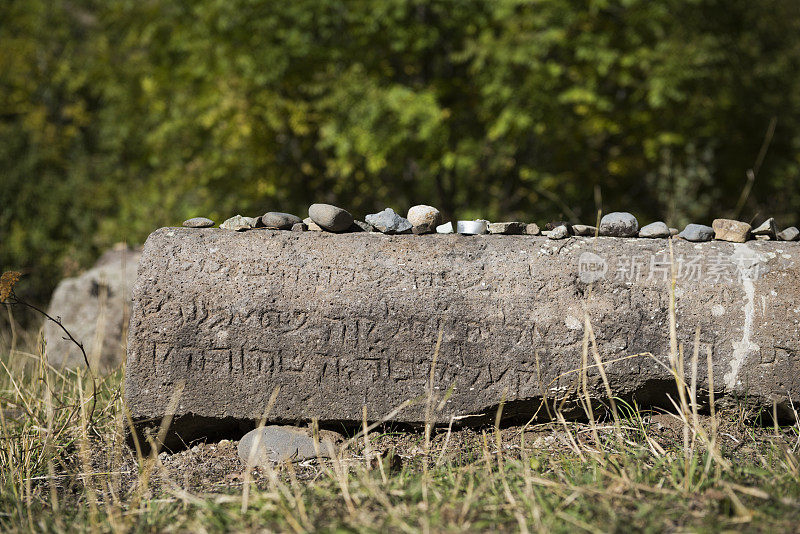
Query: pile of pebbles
pixel 424 219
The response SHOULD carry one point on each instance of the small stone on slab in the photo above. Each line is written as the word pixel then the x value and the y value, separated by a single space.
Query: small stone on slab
pixel 532 229
pixel 239 223
pixel 198 222
pixel 312 226
pixel 655 230
pixel 767 228
pixel 422 214
pixel 421 229
pixel 697 233
pixel 789 234
pixel 584 230
pixel 329 217
pixel 506 228
pixel 619 224
pixel 389 222
pixel 559 232
pixel 446 228
pixel 279 221
pixel 361 226
pixel 730 230
pixel 299 227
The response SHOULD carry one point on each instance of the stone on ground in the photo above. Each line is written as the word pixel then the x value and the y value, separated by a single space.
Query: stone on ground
pixel 198 222
pixel 275 444
pixel 94 307
pixel 422 214
pixel 389 222
pixel 697 233
pixel 329 217
pixel 789 234
pixel 619 224
pixel 421 229
pixel 654 230
pixel 730 230
pixel 361 226
pixel 299 227
pixel 239 223
pixel 279 221
pixel 507 228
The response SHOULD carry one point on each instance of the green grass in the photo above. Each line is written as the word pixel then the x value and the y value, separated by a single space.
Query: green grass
pixel 60 473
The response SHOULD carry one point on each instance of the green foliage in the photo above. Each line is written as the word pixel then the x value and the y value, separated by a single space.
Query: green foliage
pixel 120 116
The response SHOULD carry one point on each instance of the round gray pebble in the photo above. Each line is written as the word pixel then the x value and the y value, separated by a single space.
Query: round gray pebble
pixel 329 217
pixel 198 222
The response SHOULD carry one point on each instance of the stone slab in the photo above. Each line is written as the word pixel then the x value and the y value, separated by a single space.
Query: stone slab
pixel 341 321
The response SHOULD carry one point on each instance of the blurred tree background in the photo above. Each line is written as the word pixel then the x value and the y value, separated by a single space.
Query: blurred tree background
pixel 120 116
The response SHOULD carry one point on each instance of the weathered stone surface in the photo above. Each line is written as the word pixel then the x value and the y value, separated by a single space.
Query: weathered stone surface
pixel 341 321
pixel 279 220
pixel 697 232
pixel 198 222
pixel 95 308
pixel 422 214
pixel 507 228
pixel 421 229
pixel 655 230
pixel 730 230
pixel 619 224
pixel 274 444
pixel 329 217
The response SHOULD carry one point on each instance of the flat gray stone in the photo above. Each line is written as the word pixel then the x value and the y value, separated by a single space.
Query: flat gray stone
pixel 422 214
pixel 279 221
pixel 697 233
pixel 559 232
pixel 507 228
pixel 330 218
pixel 532 229
pixel 311 226
pixel 343 321
pixel 584 230
pixel 619 224
pixel 789 234
pixel 389 222
pixel 730 230
pixel 654 230
pixel 198 222
pixel 767 228
pixel 275 444
pixel 239 223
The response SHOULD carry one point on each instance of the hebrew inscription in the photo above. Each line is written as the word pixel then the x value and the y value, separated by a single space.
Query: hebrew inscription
pixel 344 321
